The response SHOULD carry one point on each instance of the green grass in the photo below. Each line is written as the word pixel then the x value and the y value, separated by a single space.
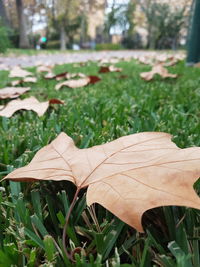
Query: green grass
pixel 32 215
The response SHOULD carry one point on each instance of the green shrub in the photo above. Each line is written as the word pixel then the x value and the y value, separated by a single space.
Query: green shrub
pixel 55 44
pixel 4 41
pixel 108 46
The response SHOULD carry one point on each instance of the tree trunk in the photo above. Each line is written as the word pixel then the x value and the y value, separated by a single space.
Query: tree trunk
pixel 63 38
pixel 193 48
pixel 3 14
pixel 23 38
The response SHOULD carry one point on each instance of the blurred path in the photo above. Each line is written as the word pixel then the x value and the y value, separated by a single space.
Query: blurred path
pixel 71 57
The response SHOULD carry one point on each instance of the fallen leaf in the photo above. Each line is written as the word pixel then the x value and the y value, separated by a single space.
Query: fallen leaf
pixel 197 65
pixel 147 60
pixel 94 79
pixel 25 80
pixel 78 83
pixel 74 75
pixel 127 176
pixel 109 60
pixel 111 68
pixel 56 101
pixel 63 75
pixel 157 69
pixel 44 68
pixel 18 72
pixel 30 103
pixel 12 92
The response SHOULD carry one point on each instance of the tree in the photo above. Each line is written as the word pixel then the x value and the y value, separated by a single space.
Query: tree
pixel 3 13
pixel 23 37
pixel 194 35
pixel 164 23
pixel 65 18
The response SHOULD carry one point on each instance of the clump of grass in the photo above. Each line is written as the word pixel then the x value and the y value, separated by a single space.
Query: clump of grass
pixel 32 216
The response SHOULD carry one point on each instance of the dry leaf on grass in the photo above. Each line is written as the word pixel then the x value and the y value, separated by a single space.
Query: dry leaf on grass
pixel 43 68
pixel 63 75
pixel 25 80
pixel 109 60
pixel 56 101
pixel 128 176
pixel 157 69
pixel 18 72
pixel 30 103
pixel 111 68
pixel 12 92
pixel 78 83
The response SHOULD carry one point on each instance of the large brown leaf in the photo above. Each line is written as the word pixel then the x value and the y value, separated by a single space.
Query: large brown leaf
pixel 127 176
pixel 12 92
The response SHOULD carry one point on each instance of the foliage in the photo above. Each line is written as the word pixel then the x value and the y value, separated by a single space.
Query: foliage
pixel 4 40
pixel 133 41
pixel 108 46
pixel 32 216
pixel 53 44
pixel 164 25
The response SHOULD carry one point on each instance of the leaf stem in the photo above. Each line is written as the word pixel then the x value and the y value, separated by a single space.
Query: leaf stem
pixel 69 255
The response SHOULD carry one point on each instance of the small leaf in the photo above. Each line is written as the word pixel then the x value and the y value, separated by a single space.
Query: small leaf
pixel 30 103
pixel 157 69
pixel 13 92
pixel 18 72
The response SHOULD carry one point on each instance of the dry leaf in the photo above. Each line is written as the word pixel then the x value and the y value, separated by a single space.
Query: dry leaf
pixel 30 103
pixel 157 69
pixel 56 101
pixel 128 176
pixel 49 75
pixel 74 75
pixel 12 92
pixel 25 80
pixel 18 72
pixel 44 68
pixel 109 60
pixel 78 83
pixel 63 75
pixel 111 68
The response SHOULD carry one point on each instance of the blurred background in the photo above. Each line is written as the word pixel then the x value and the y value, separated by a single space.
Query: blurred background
pixel 94 24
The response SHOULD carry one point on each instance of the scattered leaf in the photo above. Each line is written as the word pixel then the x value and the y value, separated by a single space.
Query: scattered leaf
pixel 93 79
pixel 30 103
pixel 18 72
pixel 25 80
pixel 12 92
pixel 63 75
pixel 78 83
pixel 56 101
pixel 127 176
pixel 44 68
pixel 157 69
pixel 111 68
pixel 109 60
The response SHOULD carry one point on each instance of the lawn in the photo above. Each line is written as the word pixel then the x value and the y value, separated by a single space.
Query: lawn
pixel 32 215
